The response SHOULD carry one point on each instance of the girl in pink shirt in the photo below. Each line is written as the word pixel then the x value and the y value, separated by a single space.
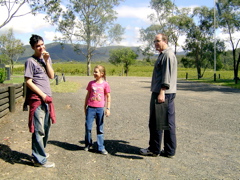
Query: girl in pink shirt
pixel 98 97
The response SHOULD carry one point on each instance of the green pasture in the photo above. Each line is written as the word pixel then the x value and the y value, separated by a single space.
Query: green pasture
pixel 141 69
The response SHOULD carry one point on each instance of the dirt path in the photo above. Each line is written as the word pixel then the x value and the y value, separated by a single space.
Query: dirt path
pixel 208 135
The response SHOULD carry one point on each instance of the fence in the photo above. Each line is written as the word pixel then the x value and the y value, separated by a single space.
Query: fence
pixel 9 95
pixel 58 79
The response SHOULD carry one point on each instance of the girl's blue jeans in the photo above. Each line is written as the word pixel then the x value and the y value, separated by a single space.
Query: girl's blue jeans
pixel 42 125
pixel 98 114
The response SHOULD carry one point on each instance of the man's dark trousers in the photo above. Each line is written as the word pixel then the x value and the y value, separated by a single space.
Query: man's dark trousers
pixel 170 144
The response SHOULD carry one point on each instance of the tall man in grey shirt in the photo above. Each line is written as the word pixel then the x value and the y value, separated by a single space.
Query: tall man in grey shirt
pixel 163 87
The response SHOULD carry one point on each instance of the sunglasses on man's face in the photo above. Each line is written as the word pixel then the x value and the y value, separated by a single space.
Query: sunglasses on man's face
pixel 157 41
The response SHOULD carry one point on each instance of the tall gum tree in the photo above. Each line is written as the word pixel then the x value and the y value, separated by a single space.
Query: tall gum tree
pixel 229 22
pixel 199 43
pixel 86 24
pixel 11 47
pixel 167 19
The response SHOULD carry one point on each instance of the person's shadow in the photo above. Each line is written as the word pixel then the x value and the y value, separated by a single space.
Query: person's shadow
pixel 122 149
pixel 13 157
pixel 117 148
pixel 67 146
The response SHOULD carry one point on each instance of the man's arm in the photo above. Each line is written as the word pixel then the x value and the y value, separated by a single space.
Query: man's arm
pixel 49 69
pixel 34 88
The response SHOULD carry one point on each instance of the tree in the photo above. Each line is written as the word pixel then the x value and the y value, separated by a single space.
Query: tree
pixel 199 43
pixel 11 9
pixel 86 24
pixel 163 9
pixel 10 47
pixel 179 24
pixel 124 56
pixel 229 22
pixel 168 19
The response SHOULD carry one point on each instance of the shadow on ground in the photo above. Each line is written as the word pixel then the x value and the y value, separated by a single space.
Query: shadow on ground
pixel 117 148
pixel 13 157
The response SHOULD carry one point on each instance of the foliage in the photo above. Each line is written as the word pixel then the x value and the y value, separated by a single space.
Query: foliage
pixel 229 21
pixel 198 26
pixel 4 59
pixel 85 24
pixel 124 56
pixel 2 75
pixel 168 19
pixel 199 41
pixel 11 47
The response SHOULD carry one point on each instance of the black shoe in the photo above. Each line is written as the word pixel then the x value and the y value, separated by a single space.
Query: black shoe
pixel 147 152
pixel 162 153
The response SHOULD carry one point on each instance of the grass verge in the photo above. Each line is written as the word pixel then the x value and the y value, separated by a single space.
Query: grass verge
pixel 63 87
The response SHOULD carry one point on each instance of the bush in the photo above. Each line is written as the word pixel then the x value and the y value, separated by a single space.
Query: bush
pixel 2 75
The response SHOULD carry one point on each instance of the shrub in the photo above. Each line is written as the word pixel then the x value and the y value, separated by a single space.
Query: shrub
pixel 2 75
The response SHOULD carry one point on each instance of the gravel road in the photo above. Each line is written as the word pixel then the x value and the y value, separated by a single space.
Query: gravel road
pixel 208 136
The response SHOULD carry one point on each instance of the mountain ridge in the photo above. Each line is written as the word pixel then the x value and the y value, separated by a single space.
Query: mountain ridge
pixel 66 53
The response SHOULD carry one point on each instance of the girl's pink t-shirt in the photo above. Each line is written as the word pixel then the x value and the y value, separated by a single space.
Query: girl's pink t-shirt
pixel 97 93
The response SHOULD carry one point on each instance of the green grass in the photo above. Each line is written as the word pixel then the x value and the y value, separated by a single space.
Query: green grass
pixel 66 87
pixel 63 87
pixel 141 69
pixel 14 79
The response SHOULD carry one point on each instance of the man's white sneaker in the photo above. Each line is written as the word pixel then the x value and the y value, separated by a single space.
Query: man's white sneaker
pixel 104 152
pixel 46 165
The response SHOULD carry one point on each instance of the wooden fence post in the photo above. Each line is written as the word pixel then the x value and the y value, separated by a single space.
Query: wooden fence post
pixel 186 75
pixel 63 77
pixel 24 89
pixel 56 77
pixel 11 98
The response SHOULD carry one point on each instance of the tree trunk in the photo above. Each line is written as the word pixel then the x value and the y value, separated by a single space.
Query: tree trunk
pixel 199 72
pixel 88 67
pixel 236 70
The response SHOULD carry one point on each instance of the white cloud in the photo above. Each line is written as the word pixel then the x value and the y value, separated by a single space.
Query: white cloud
pixel 23 24
pixel 26 24
pixel 225 37
pixel 140 13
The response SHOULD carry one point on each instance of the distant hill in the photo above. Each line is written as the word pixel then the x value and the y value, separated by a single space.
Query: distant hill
pixel 66 53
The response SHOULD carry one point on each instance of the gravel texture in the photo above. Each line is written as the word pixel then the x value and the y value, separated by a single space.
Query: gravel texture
pixel 208 136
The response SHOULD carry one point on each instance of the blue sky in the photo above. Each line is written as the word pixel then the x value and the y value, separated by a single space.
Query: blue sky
pixel 132 15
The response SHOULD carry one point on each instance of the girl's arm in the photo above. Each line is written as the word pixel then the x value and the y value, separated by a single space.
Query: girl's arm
pixel 86 100
pixel 108 104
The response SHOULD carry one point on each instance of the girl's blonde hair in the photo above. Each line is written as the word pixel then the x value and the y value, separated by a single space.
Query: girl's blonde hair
pixel 102 70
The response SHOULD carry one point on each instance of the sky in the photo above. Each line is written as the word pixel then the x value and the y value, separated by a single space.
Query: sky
pixel 132 15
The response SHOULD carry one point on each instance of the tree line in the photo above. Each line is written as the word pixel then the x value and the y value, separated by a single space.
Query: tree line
pixel 90 23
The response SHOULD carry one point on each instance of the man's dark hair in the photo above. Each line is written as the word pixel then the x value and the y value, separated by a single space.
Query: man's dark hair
pixel 34 39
